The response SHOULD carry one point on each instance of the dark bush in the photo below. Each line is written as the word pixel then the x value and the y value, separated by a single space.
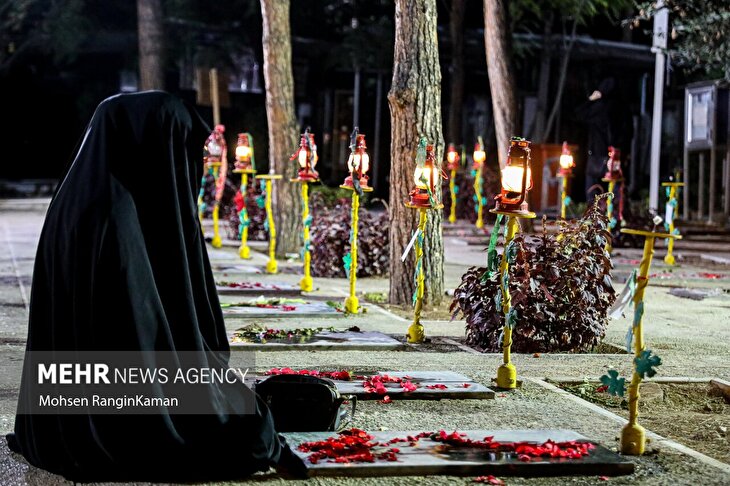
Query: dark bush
pixel 560 285
pixel 331 240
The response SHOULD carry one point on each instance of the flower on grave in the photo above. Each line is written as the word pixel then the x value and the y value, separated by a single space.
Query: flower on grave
pixel 646 362
pixel 616 386
pixel 488 480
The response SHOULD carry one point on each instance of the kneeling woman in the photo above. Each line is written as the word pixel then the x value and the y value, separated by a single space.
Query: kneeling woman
pixel 122 266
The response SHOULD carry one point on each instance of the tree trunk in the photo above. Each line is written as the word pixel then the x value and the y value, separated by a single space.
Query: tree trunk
pixel 283 130
pixel 538 134
pixel 151 45
pixel 501 78
pixel 415 111
pixel 456 30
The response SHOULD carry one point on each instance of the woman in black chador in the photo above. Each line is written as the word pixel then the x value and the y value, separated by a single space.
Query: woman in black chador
pixel 122 266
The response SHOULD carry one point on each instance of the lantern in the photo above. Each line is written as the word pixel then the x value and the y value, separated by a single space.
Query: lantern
pixel 359 161
pixel 452 158
pixel 244 154
pixel 516 178
pixel 215 147
pixel 306 156
pixel 613 165
pixel 479 155
pixel 566 161
pixel 428 182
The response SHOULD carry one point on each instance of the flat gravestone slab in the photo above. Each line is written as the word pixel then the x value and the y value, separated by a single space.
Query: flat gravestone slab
pixel 254 289
pixel 325 340
pixel 458 387
pixel 454 383
pixel 428 457
pixel 310 309
pixel 227 268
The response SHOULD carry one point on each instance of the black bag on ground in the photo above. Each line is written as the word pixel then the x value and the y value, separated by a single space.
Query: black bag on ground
pixel 303 403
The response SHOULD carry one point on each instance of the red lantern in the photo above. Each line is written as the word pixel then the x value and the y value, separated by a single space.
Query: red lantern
pixel 516 178
pixel 452 158
pixel 613 164
pixel 359 161
pixel 215 147
pixel 566 162
pixel 306 156
pixel 428 183
pixel 244 154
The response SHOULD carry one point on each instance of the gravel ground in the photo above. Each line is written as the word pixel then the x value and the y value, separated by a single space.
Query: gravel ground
pixel 692 337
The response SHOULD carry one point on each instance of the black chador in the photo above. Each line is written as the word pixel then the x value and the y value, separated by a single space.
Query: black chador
pixel 122 266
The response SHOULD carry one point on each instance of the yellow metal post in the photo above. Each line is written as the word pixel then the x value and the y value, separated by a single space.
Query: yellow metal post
pixel 563 197
pixel 351 303
pixel 609 207
pixel 416 332
pixel 452 190
pixel 216 242
pixel 306 284
pixel 633 435
pixel 271 266
pixel 244 251
pixel 672 199
pixel 478 194
pixel 507 374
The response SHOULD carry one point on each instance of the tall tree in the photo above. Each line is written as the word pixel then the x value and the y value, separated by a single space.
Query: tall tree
pixel 456 81
pixel 151 44
pixel 283 130
pixel 415 111
pixel 501 78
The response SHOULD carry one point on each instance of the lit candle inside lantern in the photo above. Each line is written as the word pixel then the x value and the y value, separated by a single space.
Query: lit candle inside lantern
pixel 479 155
pixel 516 178
pixel 427 179
pixel 566 158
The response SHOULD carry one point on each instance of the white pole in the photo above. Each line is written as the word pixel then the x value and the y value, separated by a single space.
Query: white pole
pixel 661 22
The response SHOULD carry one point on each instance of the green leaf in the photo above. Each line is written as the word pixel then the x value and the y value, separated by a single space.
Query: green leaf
pixel 646 362
pixel 616 386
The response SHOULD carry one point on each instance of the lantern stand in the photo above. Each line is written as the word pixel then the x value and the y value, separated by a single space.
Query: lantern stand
pixel 513 207
pixel 357 182
pixel 479 157
pixel 271 265
pixel 216 161
pixel 633 435
pixel 245 165
pixel 670 216
pixel 565 173
pixel 306 155
pixel 425 196
pixel 612 176
pixel 452 158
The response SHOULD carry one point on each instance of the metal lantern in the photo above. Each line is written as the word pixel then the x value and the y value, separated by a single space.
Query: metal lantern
pixel 428 182
pixel 244 154
pixel 566 162
pixel 479 155
pixel 613 165
pixel 306 156
pixel 215 147
pixel 452 158
pixel 516 178
pixel 359 161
